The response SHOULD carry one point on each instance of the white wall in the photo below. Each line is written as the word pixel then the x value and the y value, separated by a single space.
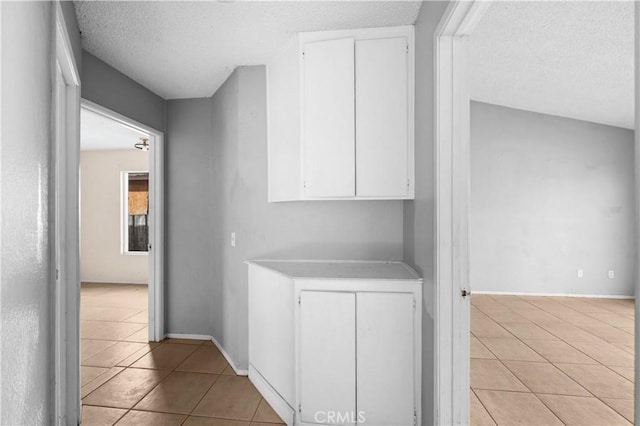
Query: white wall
pixel 101 258
pixel 26 284
pixel 549 196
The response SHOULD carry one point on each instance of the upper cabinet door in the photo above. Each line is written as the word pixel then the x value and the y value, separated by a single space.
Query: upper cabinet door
pixel 328 149
pixel 382 121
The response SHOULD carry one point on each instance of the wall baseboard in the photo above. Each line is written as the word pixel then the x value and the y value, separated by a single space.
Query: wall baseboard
pixel 239 372
pixel 112 282
pixel 593 296
pixel 188 336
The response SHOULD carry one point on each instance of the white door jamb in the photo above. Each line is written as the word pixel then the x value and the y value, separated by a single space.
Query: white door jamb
pixel 637 169
pixel 452 210
pixel 65 155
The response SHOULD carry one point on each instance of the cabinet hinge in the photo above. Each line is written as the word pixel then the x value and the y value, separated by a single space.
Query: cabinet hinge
pixel 414 304
pixel 57 274
pixel 408 183
pixel 415 417
pixel 407 47
pixel 299 300
pixel 300 408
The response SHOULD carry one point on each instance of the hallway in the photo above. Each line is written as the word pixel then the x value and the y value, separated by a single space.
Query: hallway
pixel 127 380
pixel 551 360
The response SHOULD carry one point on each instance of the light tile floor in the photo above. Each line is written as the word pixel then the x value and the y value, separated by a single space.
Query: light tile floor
pixel 128 381
pixel 551 360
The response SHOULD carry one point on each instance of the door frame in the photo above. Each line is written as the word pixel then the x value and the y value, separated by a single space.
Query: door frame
pixel 637 181
pixel 452 178
pixel 156 214
pixel 64 216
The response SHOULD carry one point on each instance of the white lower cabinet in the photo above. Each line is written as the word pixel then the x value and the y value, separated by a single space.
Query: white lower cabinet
pixel 327 356
pixel 385 377
pixel 336 342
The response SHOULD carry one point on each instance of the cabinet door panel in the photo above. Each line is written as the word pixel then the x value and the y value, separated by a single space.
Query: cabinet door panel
pixel 382 117
pixel 385 360
pixel 327 355
pixel 328 124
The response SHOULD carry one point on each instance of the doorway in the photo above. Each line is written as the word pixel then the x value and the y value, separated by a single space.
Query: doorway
pixel 453 293
pixel 122 161
pixel 121 244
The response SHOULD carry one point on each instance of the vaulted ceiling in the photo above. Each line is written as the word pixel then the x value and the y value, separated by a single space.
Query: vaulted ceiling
pixel 188 49
pixel 569 58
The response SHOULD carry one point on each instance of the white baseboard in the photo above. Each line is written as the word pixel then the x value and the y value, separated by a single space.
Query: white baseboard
pixel 212 339
pixel 188 336
pixel 112 282
pixel 275 400
pixel 238 371
pixel 512 293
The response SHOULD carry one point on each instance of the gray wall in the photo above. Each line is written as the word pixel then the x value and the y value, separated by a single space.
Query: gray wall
pixel 419 248
pixel 191 205
pixel 106 86
pixel 549 196
pixel 26 371
pixel 323 230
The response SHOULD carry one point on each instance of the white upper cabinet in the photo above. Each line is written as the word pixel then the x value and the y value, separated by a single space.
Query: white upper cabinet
pixel 382 117
pixel 328 124
pixel 340 116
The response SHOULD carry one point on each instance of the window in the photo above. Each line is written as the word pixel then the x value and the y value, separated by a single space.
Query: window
pixel 136 212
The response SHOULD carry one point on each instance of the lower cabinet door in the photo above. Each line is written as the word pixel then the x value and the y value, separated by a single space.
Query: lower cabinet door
pixel 328 357
pixel 385 359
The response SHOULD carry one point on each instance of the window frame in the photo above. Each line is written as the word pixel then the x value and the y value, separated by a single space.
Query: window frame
pixel 124 213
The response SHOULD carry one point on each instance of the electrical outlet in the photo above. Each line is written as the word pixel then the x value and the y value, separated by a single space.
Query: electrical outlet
pixel 580 273
pixel 233 239
pixel 612 274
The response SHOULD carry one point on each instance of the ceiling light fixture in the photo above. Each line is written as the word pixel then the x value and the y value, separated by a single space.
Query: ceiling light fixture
pixel 144 145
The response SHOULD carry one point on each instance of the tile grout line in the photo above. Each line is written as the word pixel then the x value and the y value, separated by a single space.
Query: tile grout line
pixel 519 380
pixel 570 343
pixel 530 391
pixel 575 381
pixel 603 365
pixel 551 363
pixel 581 351
pixel 203 395
pixel 523 384
pixel 167 376
pixel 483 406
pixel 256 410
pixel 148 392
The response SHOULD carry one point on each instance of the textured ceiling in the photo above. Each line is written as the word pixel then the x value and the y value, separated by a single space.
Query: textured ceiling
pixel 572 59
pixel 188 49
pixel 100 133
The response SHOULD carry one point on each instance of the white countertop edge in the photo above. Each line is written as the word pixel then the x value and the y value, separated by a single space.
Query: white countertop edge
pixel 407 267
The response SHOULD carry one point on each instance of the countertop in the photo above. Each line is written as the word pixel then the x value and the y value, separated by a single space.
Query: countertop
pixel 340 269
